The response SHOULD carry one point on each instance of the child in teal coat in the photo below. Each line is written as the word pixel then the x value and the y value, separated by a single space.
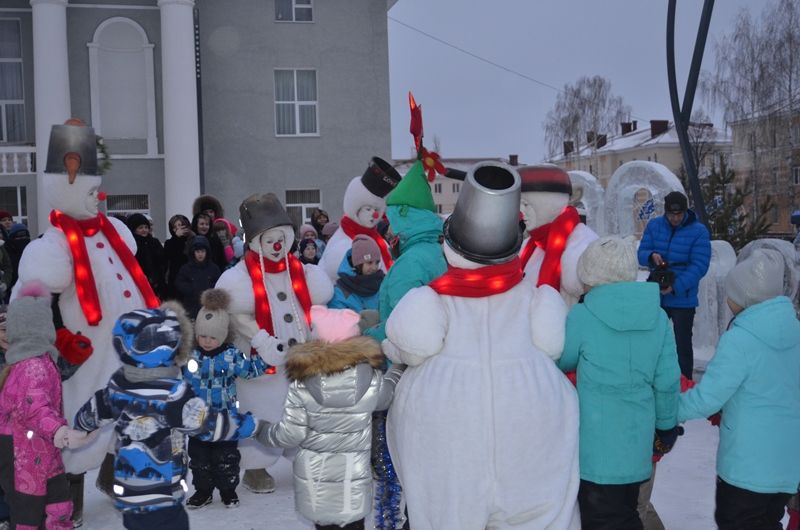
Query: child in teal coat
pixel 754 378
pixel 623 347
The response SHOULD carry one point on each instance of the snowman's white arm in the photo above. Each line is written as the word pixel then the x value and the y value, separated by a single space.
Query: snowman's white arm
pixel 417 328
pixel 548 321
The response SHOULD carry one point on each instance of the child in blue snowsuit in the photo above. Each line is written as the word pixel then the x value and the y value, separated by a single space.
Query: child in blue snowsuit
pixel 212 370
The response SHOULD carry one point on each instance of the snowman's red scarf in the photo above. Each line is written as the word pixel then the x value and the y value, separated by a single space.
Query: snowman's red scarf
pixel 299 286
pixel 478 283
pixel 352 229
pixel 552 238
pixel 75 230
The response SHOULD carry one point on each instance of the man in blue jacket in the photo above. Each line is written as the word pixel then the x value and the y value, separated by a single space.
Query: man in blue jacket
pixel 679 243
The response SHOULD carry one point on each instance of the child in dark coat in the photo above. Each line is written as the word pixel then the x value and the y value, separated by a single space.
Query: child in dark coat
pixel 199 274
pixel 214 366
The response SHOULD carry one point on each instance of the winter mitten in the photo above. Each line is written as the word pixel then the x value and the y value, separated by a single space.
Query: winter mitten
pixel 573 377
pixel 66 438
pixel 686 384
pixel 260 433
pixel 269 348
pixel 665 440
pixel 369 318
pixel 73 347
pixel 715 419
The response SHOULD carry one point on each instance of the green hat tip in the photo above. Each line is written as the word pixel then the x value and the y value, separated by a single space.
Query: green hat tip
pixel 413 190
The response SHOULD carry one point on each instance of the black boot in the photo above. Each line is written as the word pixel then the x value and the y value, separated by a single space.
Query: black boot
pixel 76 494
pixel 199 499
pixel 105 477
pixel 229 498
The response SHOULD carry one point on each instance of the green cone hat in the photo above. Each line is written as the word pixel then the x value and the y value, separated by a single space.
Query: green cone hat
pixel 413 190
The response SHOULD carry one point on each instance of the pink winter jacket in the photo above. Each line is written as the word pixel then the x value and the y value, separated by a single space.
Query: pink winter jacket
pixel 31 412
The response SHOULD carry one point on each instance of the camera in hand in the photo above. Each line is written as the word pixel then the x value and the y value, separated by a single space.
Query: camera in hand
pixel 663 276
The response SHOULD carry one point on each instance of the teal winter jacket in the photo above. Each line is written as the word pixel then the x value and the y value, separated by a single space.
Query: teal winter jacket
pixel 421 259
pixel 623 346
pixel 754 378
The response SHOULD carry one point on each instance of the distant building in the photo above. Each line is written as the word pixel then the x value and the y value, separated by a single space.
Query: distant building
pixel 601 155
pixel 293 99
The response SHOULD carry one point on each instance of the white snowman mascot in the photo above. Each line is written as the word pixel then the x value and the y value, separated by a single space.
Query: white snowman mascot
pixel 271 296
pixel 556 237
pixel 364 204
pixel 483 429
pixel 88 260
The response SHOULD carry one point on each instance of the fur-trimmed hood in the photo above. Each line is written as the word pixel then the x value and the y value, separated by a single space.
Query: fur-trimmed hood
pixel 324 358
pixel 208 202
pixel 187 332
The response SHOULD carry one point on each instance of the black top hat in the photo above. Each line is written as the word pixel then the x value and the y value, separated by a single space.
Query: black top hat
pixel 380 177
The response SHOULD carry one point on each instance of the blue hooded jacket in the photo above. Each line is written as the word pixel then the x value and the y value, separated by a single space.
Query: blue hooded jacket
pixel 687 251
pixel 344 299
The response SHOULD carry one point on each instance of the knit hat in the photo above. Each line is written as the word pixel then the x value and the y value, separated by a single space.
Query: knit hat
pixel 5 213
pixel 213 319
pixel 329 228
pixel 29 324
pixel 545 177
pixel 757 278
pixel 153 338
pixel 675 202
pixel 306 242
pixel 307 228
pixel 334 325
pixel 364 249
pixel 135 221
pixel 200 242
pixel 18 229
pixel 609 259
pixel 413 190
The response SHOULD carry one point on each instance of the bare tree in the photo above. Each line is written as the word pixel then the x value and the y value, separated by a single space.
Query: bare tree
pixel 588 106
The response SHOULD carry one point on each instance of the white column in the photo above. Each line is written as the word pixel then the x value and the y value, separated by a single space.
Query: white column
pixel 50 86
pixel 179 94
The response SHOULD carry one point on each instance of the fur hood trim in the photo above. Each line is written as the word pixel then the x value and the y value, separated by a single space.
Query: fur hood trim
pixel 205 202
pixel 317 357
pixel 187 332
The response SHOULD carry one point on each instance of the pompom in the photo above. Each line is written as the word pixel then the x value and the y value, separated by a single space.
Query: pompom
pixel 215 299
pixel 34 289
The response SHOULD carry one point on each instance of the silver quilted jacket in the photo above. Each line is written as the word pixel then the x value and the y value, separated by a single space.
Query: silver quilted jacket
pixel 335 388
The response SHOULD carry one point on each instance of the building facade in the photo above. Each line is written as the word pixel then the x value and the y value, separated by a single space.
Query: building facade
pixel 222 97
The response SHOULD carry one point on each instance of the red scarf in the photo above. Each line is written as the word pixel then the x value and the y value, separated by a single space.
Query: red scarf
pixel 552 238
pixel 352 229
pixel 296 273
pixel 75 231
pixel 478 283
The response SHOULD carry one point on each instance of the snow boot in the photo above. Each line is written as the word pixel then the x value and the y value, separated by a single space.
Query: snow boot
pixel 76 495
pixel 105 477
pixel 258 481
pixel 199 499
pixel 229 498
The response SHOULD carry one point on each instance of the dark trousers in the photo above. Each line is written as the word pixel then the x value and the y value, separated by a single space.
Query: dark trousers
pixel 4 513
pixel 214 465
pixel 609 506
pixel 355 525
pixel 172 518
pixel 741 509
pixel 682 321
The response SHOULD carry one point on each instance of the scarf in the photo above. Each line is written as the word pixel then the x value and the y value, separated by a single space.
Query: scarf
pixel 263 311
pixel 352 229
pixel 75 231
pixel 359 284
pixel 478 283
pixel 552 238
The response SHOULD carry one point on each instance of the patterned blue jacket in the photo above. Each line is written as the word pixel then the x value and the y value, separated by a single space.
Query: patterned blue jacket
pixel 152 419
pixel 213 378
pixel 687 251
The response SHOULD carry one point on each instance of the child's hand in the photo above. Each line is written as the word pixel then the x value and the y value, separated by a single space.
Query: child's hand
pixel 66 438
pixel 665 440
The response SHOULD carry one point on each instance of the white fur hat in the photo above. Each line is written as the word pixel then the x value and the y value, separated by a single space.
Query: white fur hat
pixel 609 259
pixel 757 278
pixel 357 195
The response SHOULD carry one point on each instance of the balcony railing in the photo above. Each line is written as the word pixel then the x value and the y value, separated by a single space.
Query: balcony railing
pixel 17 159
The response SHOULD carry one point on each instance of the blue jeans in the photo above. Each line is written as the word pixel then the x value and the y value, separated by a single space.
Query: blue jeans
pixel 682 321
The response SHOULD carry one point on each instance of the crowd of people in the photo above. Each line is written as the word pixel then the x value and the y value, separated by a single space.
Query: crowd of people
pixel 530 380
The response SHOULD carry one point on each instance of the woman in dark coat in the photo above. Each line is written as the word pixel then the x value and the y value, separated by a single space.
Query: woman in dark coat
pixel 175 255
pixel 149 252
pixel 199 274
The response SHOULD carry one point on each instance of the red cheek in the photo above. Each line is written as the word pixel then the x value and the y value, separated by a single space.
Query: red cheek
pixel 277 247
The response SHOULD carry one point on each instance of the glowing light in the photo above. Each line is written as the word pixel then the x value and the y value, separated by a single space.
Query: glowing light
pixel 184 486
pixel 192 366
pixel 118 490
pixel 237 403
pixel 29 434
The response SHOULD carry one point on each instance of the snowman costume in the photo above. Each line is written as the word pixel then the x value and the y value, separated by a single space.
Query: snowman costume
pixel 549 220
pixel 364 204
pixel 484 428
pixel 270 279
pixel 95 284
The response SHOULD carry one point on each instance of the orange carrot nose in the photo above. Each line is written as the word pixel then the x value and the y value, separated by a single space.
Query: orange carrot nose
pixel 72 161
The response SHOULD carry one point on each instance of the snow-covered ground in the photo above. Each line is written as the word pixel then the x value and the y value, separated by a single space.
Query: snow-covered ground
pixel 683 494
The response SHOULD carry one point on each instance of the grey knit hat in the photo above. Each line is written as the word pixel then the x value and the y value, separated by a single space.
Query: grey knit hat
pixel 609 259
pixel 757 278
pixel 29 324
pixel 213 319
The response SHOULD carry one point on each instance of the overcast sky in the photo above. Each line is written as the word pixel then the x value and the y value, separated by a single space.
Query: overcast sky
pixel 478 110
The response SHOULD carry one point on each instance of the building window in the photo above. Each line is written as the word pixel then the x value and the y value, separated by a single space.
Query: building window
pixel 14 199
pixel 300 204
pixel 437 188
pixel 125 205
pixel 456 187
pixel 296 103
pixel 795 134
pixel 796 175
pixel 293 11
pixel 122 87
pixel 12 97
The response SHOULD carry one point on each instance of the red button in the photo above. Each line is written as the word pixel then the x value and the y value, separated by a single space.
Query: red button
pixel 119 276
pixel 126 294
pixel 100 244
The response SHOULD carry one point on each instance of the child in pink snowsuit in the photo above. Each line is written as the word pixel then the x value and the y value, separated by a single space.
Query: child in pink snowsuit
pixel 32 424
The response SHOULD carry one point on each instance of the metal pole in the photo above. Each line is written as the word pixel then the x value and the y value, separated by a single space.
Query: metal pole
pixel 199 98
pixel 681 116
